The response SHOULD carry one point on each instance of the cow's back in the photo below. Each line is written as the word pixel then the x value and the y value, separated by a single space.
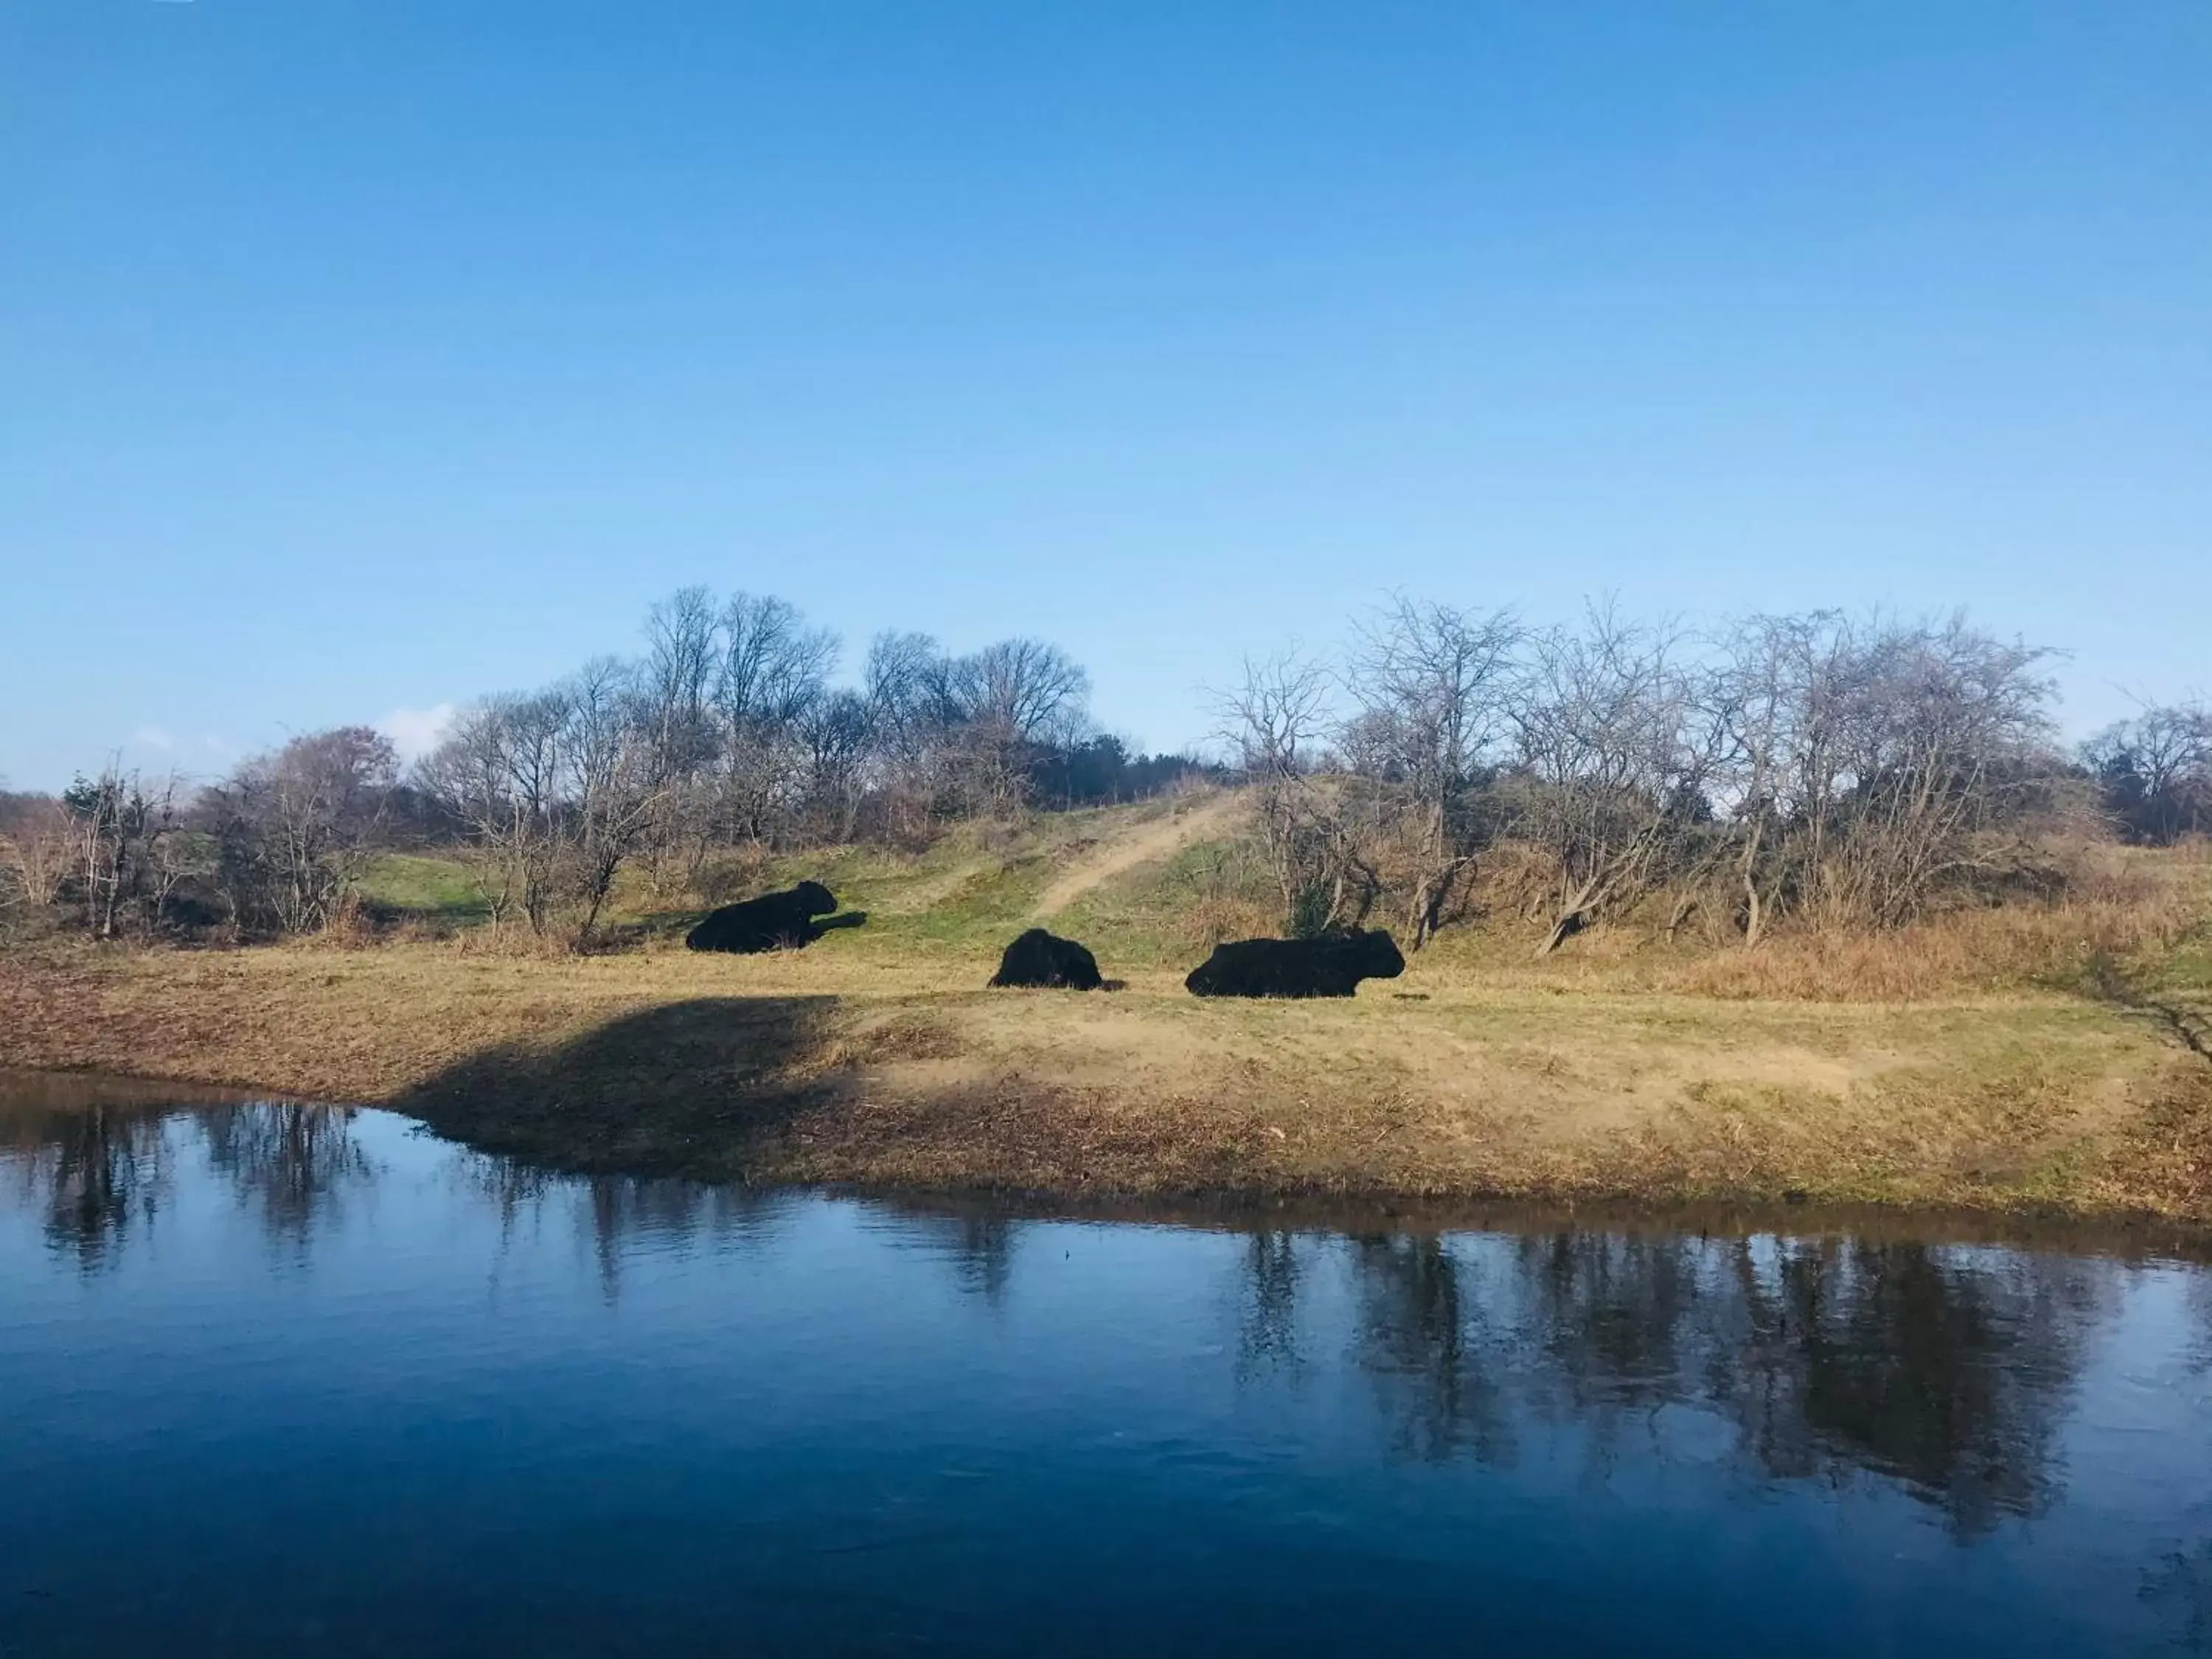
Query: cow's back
pixel 1330 967
pixel 754 924
pixel 1250 968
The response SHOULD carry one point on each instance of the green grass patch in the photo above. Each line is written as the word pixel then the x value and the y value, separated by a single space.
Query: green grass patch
pixel 423 885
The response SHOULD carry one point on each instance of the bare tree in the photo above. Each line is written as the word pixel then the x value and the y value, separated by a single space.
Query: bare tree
pixel 613 778
pixel 910 704
pixel 683 654
pixel 2156 771
pixel 1616 741
pixel 905 694
pixel 117 821
pixel 498 773
pixel 678 679
pixel 294 826
pixel 1869 763
pixel 836 733
pixel 1781 691
pixel 558 790
pixel 36 850
pixel 1435 689
pixel 772 668
pixel 1025 687
pixel 966 734
pixel 1273 723
pixel 1947 730
pixel 1011 698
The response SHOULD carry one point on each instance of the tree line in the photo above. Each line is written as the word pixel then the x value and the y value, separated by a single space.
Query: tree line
pixel 730 730
pixel 1818 769
pixel 1837 771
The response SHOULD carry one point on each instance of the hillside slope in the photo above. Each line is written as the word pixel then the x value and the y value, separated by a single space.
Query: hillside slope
pixel 2026 1059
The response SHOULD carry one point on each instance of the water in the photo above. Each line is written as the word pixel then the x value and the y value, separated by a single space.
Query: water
pixel 282 1379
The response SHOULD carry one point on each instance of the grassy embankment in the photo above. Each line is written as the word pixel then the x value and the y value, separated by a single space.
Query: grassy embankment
pixel 2026 1059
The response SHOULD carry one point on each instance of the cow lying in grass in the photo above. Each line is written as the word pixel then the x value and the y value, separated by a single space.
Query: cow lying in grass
pixel 1045 959
pixel 1329 967
pixel 770 922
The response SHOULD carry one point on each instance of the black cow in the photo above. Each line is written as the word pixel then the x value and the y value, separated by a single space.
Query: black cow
pixel 1040 958
pixel 765 923
pixel 1328 967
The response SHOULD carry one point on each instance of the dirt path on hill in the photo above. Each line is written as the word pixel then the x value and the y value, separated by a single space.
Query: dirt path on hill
pixel 1158 839
pixel 921 896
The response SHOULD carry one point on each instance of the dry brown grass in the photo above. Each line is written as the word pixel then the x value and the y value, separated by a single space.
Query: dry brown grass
pixel 1975 951
pixel 2033 1055
pixel 843 1064
pixel 2120 905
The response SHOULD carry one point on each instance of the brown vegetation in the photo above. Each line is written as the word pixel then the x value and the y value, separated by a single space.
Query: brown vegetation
pixel 1978 1060
pixel 1843 920
pixel 1845 776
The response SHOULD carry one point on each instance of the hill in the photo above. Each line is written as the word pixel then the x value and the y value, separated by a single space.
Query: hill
pixel 2029 1059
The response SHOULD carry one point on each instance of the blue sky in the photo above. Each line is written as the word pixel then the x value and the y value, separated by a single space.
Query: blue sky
pixel 359 356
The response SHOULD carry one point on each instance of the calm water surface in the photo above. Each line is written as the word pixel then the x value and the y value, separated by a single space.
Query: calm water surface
pixel 284 1379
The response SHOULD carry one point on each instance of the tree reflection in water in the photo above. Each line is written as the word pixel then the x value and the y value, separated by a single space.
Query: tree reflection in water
pixel 613 1214
pixel 1429 1348
pixel 2199 1294
pixel 95 1172
pixel 1945 1370
pixel 977 1245
pixel 289 1161
pixel 1268 1327
pixel 621 1211
pixel 100 1170
pixel 1950 1375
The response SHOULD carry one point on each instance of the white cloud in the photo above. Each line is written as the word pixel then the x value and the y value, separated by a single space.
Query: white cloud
pixel 154 738
pixel 416 732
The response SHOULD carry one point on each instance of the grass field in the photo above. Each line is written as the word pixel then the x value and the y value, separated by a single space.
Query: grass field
pixel 2036 1061
pixel 428 888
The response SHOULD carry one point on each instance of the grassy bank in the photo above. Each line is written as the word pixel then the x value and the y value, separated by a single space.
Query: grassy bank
pixel 1995 1064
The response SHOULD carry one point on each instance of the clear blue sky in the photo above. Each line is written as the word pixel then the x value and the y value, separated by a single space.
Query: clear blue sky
pixel 363 356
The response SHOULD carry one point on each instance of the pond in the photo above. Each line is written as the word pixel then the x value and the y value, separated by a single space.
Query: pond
pixel 278 1378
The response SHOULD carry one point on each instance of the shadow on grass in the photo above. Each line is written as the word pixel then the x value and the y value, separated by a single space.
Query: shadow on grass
pixel 706 1087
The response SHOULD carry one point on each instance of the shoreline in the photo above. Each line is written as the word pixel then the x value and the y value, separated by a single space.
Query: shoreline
pixel 818 1069
pixel 2130 1234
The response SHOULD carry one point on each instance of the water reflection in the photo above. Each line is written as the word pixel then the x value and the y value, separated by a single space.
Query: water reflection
pixel 1946 1370
pixel 367 1373
pixel 95 1173
pixel 2199 1294
pixel 620 1211
pixel 1950 1375
pixel 291 1163
pixel 978 1247
pixel 102 1167
pixel 2179 1589
pixel 1268 1330
pixel 1431 1349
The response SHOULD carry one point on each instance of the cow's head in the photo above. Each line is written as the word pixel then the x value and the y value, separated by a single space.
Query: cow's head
pixel 1376 956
